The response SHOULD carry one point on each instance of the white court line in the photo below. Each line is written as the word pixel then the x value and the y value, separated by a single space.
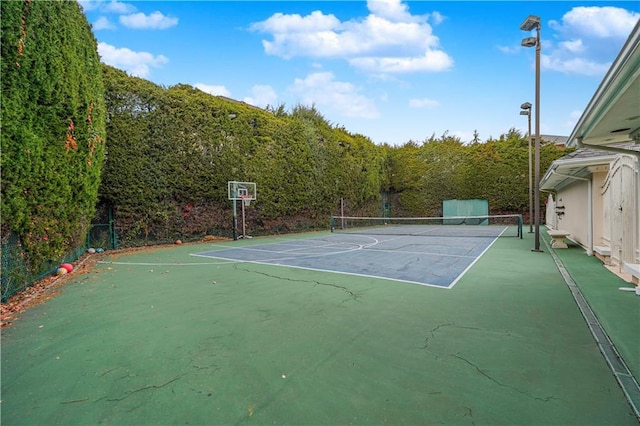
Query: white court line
pixel 278 259
pixel 105 262
pixel 355 247
pixel 312 243
pixel 464 256
pixel 472 263
pixel 340 272
pixel 273 262
pixel 293 250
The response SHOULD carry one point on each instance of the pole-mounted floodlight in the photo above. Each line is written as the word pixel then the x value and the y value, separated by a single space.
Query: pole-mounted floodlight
pixel 533 22
pixel 530 23
pixel 526 110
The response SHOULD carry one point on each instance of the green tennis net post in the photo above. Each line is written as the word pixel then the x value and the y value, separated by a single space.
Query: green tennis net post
pixel 520 226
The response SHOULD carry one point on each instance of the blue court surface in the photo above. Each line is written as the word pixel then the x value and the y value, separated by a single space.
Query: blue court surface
pixel 425 260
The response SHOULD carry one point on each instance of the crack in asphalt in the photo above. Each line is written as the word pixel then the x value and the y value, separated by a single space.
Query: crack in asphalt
pixel 437 328
pixel 352 295
pixel 144 388
pixel 485 374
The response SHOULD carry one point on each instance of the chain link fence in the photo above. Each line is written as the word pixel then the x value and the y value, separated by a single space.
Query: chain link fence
pixel 17 274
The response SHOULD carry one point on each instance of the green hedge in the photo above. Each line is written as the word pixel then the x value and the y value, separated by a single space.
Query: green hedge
pixel 173 150
pixel 53 127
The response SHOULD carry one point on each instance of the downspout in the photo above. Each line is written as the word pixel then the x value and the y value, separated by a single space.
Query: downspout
pixel 589 209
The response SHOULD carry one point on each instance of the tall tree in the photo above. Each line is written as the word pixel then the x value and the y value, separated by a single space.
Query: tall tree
pixel 53 126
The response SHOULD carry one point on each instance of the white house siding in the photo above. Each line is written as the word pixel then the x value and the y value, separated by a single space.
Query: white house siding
pixel 574 198
pixel 601 233
pixel 614 201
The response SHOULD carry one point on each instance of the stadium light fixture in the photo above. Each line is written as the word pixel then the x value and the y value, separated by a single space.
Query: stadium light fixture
pixel 533 22
pixel 526 110
pixel 530 23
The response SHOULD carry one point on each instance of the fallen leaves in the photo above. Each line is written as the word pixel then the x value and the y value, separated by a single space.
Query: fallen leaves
pixel 38 293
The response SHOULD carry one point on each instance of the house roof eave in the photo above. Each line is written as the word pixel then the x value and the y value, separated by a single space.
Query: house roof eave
pixel 612 116
pixel 564 172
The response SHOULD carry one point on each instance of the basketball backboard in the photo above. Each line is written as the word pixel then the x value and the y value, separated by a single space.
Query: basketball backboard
pixel 242 190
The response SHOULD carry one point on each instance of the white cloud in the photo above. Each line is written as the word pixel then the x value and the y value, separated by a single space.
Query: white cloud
pixel 156 21
pixel 431 61
pixel 574 65
pixel 118 7
pixel 88 5
pixel 437 18
pixel 262 95
pixel 280 23
pixel 213 90
pixel 323 90
pixel 388 40
pixel 588 39
pixel 598 22
pixel 509 50
pixel 423 103
pixel 135 63
pixel 112 6
pixel 573 46
pixel 102 23
pixel 393 10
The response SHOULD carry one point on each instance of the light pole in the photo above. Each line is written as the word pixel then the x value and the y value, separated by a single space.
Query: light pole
pixel 526 110
pixel 529 24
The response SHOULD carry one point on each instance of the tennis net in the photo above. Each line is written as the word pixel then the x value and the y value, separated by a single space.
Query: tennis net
pixel 509 225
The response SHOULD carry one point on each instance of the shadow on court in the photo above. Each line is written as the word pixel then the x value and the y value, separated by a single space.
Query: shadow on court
pixel 164 337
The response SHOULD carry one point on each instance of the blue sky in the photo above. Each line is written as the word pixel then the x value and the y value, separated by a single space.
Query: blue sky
pixel 391 70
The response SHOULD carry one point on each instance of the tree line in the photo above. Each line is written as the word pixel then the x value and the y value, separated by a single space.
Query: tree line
pixel 53 128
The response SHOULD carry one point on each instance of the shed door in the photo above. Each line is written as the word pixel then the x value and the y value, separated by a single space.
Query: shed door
pixel 622 210
pixel 627 210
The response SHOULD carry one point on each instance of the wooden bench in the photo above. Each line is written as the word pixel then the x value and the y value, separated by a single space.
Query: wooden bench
pixel 557 238
pixel 603 253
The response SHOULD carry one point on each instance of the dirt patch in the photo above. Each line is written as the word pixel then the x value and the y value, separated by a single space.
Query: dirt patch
pixel 49 287
pixel 41 291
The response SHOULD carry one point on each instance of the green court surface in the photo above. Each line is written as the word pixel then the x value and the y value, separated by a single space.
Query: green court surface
pixel 164 338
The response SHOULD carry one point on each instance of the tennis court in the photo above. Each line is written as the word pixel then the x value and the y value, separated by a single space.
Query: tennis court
pixel 437 261
pixel 162 337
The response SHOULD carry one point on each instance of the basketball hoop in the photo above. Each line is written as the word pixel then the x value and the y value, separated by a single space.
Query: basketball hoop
pixel 242 192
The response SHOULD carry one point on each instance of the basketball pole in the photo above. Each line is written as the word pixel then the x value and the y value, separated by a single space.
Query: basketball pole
pixel 235 220
pixel 243 192
pixel 244 231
